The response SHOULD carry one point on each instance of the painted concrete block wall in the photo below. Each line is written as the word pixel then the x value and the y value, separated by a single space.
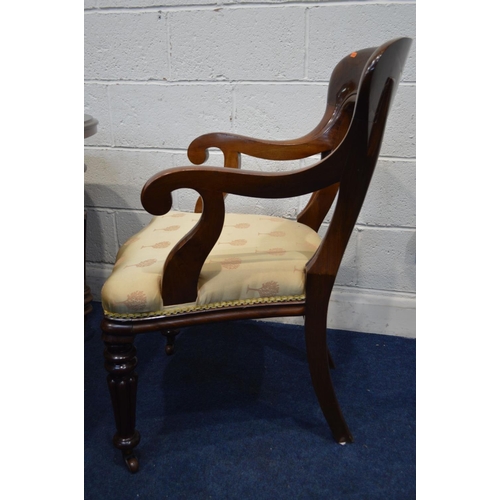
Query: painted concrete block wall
pixel 158 74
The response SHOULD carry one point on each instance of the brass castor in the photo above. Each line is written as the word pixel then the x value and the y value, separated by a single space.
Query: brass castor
pixel 127 445
pixel 131 461
pixel 170 335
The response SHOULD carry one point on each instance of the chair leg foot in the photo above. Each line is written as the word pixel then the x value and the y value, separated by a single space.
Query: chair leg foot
pixel 169 346
pixel 319 367
pixel 127 445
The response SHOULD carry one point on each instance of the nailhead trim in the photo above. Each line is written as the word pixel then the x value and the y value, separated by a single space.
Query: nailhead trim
pixel 195 308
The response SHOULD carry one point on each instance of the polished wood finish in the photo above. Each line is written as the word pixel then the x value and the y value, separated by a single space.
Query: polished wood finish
pixel 188 256
pixel 318 356
pixel 170 336
pixel 254 311
pixel 349 138
pixel 120 362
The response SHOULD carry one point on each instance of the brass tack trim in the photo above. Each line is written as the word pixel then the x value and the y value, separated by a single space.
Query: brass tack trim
pixel 195 308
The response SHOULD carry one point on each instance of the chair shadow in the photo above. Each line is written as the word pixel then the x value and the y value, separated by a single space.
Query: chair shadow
pixel 228 375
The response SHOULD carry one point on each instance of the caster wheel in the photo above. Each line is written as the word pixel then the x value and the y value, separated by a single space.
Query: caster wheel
pixel 131 462
pixel 170 335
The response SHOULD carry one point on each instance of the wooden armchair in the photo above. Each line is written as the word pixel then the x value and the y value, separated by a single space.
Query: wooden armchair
pixel 185 269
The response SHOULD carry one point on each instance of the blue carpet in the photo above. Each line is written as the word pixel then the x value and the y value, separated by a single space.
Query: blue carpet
pixel 232 415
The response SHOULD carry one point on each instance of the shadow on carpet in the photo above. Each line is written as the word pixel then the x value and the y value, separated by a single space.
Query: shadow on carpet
pixel 233 415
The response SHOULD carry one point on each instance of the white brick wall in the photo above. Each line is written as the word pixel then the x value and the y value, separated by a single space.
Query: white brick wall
pixel 158 74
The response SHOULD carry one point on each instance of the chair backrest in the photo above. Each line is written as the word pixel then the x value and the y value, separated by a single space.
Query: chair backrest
pixel 331 130
pixel 360 111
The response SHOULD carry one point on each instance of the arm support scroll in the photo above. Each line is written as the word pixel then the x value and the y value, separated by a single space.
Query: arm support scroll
pixel 186 259
pixel 325 137
pixel 184 263
pixel 156 194
pixel 232 145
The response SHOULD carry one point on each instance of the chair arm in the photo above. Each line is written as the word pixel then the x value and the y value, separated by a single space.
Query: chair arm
pixel 156 194
pixel 183 265
pixel 325 137
pixel 232 145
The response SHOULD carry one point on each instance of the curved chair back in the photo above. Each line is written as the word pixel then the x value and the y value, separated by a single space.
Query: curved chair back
pixel 361 109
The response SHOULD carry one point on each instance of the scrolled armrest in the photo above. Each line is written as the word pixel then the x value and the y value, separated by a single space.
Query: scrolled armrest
pixel 233 144
pixel 325 137
pixel 322 138
pixel 184 263
pixel 156 194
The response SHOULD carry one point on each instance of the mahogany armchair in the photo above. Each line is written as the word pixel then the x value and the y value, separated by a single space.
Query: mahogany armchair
pixel 186 269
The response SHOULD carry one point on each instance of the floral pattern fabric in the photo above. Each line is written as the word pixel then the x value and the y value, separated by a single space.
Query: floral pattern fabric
pixel 256 259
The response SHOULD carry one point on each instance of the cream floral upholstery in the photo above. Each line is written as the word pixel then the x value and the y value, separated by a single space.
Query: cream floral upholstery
pixel 256 259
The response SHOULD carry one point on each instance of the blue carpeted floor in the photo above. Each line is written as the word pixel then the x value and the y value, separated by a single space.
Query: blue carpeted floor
pixel 232 415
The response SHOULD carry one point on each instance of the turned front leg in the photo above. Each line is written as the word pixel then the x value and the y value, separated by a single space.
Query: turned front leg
pixel 120 362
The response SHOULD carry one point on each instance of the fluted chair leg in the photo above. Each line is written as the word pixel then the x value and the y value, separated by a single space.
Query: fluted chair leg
pixel 120 362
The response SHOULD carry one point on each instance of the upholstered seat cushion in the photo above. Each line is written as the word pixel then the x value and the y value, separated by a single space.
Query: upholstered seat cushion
pixel 256 259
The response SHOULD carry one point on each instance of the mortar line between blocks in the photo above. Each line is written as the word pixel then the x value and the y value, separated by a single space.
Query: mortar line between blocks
pixel 306 44
pixel 219 82
pixel 144 149
pixel 243 5
pixel 115 226
pixel 169 55
pixel 356 252
pixel 204 82
pixel 377 291
pixel 398 158
pixel 212 150
pixel 233 108
pixel 362 227
pixel 110 115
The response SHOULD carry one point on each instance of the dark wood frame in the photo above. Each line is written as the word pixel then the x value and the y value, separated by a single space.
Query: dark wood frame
pixel 349 138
